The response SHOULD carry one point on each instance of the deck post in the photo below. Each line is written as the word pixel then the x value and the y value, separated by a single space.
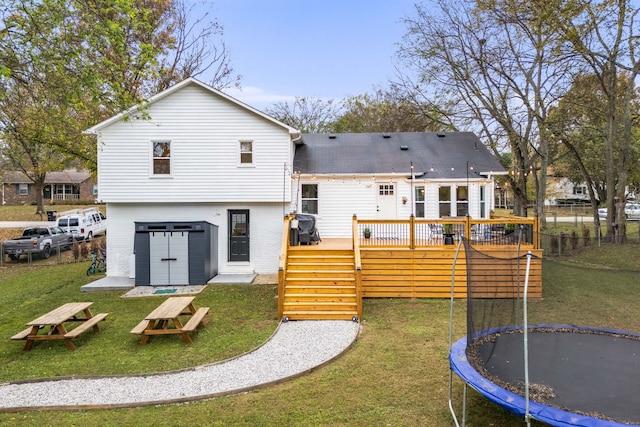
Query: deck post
pixel 282 268
pixel 412 232
pixel 358 264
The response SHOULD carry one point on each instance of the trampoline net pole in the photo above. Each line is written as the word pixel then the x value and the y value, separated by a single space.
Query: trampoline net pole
pixel 464 398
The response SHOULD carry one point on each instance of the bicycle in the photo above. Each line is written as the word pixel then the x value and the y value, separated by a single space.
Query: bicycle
pixel 98 265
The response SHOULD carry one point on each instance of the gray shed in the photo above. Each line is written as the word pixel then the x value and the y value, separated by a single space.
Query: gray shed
pixel 175 253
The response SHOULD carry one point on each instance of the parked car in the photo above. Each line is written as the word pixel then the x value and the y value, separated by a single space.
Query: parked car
pixel 631 211
pixel 83 224
pixel 37 241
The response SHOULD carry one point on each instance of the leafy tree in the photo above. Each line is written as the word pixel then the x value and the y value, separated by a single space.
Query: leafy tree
pixel 67 64
pixel 605 35
pixel 580 126
pixel 389 111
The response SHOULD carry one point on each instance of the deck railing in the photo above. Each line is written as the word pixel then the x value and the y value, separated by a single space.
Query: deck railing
pixel 419 233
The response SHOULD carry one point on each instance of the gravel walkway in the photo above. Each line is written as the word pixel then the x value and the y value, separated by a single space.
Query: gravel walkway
pixel 297 347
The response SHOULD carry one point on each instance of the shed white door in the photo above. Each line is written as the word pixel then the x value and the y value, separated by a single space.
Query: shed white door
pixel 386 201
pixel 169 258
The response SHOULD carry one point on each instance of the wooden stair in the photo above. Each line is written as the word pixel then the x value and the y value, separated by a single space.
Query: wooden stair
pixel 320 284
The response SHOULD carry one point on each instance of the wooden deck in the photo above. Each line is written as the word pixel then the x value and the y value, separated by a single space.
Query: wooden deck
pixel 403 261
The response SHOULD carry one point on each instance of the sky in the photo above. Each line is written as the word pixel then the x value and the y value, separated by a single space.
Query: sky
pixel 329 49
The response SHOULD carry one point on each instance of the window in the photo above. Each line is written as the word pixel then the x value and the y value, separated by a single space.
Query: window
pixel 462 200
pixel 483 201
pixel 310 198
pixel 246 152
pixel 161 157
pixel 23 189
pixel 386 189
pixel 419 205
pixel 444 201
pixel 579 190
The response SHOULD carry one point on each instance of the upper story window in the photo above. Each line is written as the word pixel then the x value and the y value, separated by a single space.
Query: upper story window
pixel 246 152
pixel 310 198
pixel 23 189
pixel 161 157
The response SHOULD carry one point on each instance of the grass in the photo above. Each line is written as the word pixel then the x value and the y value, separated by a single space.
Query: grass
pixel 395 374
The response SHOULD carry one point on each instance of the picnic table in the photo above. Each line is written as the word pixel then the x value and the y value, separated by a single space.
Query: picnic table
pixel 55 320
pixel 165 319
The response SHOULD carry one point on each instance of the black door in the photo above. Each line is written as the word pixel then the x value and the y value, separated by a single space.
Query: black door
pixel 238 235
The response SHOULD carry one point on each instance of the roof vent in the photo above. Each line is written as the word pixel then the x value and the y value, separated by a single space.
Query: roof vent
pixel 332 136
pixel 386 135
pixel 441 135
pixel 404 147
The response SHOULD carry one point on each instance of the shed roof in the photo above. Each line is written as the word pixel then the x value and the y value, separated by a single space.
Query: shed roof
pixel 433 155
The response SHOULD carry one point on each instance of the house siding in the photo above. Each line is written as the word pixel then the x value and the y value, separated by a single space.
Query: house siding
pixel 340 198
pixel 265 232
pixel 204 130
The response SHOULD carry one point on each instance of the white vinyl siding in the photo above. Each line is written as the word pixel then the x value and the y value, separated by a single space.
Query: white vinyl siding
pixel 204 130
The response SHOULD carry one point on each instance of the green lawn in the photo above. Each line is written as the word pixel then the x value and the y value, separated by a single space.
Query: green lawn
pixel 396 373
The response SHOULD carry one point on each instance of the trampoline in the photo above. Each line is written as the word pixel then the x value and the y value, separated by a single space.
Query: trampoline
pixel 562 375
pixel 578 376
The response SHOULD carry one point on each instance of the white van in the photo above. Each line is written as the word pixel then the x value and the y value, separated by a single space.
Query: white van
pixel 83 224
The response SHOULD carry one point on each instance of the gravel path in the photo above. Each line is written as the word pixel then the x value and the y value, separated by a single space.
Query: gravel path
pixel 295 348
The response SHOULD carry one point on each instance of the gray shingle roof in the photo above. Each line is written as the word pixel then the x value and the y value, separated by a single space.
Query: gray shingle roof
pixel 62 177
pixel 437 155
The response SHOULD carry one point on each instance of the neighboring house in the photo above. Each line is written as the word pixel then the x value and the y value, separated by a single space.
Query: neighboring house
pixel 202 156
pixel 370 175
pixel 68 185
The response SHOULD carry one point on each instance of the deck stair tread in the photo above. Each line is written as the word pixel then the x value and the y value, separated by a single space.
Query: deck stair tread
pixel 320 284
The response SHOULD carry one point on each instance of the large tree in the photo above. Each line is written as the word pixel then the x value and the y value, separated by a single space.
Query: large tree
pixel 67 64
pixel 605 35
pixel 495 64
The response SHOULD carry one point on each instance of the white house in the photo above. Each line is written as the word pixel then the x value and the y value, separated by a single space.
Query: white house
pixel 392 176
pixel 197 155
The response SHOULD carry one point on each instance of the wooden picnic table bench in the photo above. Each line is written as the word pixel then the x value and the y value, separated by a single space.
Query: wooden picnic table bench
pixel 56 319
pixel 165 319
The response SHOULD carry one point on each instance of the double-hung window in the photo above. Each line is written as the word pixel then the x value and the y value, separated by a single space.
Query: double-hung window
pixel 23 189
pixel 161 158
pixel 246 153
pixel 419 204
pixel 310 198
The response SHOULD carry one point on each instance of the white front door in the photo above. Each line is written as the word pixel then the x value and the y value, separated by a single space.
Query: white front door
pixel 386 200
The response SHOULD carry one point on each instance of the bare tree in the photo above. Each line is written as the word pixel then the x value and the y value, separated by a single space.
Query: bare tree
pixel 307 114
pixel 494 67
pixel 196 48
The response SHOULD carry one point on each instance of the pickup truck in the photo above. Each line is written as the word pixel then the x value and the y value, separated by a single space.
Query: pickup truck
pixel 38 241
